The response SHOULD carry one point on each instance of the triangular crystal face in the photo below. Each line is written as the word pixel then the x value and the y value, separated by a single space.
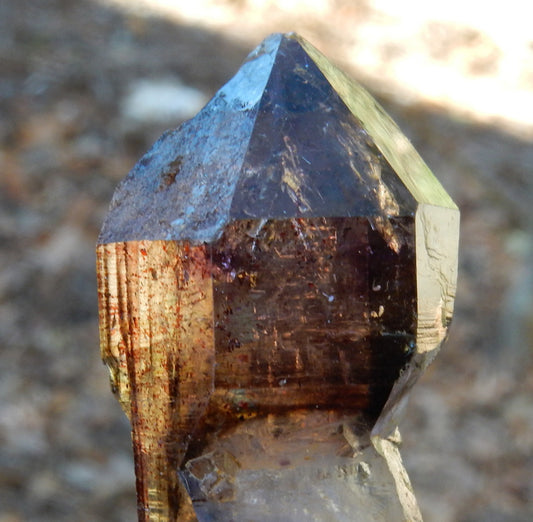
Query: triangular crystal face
pixel 288 136
pixel 308 156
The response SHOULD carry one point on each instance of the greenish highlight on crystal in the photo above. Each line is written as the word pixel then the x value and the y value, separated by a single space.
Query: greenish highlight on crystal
pixel 390 140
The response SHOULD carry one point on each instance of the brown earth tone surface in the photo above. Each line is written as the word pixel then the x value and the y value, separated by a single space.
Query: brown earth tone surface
pixel 68 135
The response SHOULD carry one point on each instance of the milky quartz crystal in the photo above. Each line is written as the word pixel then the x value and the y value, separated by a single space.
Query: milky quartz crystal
pixel 274 276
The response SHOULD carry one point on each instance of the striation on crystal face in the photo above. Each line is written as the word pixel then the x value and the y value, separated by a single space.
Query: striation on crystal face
pixel 273 277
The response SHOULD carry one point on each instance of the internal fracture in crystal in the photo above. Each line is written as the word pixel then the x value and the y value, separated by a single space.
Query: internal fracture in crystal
pixel 274 275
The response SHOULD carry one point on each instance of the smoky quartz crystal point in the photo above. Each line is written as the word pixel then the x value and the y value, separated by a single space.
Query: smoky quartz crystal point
pixel 274 275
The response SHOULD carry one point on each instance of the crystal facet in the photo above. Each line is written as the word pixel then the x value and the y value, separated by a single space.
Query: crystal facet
pixel 274 276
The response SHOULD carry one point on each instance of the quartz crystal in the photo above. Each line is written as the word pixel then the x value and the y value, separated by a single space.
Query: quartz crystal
pixel 274 275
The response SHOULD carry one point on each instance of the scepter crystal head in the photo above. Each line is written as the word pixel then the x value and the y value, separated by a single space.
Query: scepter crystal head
pixel 274 275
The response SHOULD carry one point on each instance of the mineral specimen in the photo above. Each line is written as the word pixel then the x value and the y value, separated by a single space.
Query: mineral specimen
pixel 274 275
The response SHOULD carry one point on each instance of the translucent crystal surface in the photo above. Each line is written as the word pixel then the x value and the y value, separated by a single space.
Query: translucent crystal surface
pixel 274 276
pixel 313 313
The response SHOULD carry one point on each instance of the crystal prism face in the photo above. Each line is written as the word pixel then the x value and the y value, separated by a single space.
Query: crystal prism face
pixel 274 276
pixel 314 313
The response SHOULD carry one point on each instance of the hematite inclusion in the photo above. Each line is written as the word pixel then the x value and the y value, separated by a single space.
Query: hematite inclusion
pixel 285 258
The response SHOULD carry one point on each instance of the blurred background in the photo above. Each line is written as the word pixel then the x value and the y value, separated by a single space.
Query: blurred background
pixel 87 85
